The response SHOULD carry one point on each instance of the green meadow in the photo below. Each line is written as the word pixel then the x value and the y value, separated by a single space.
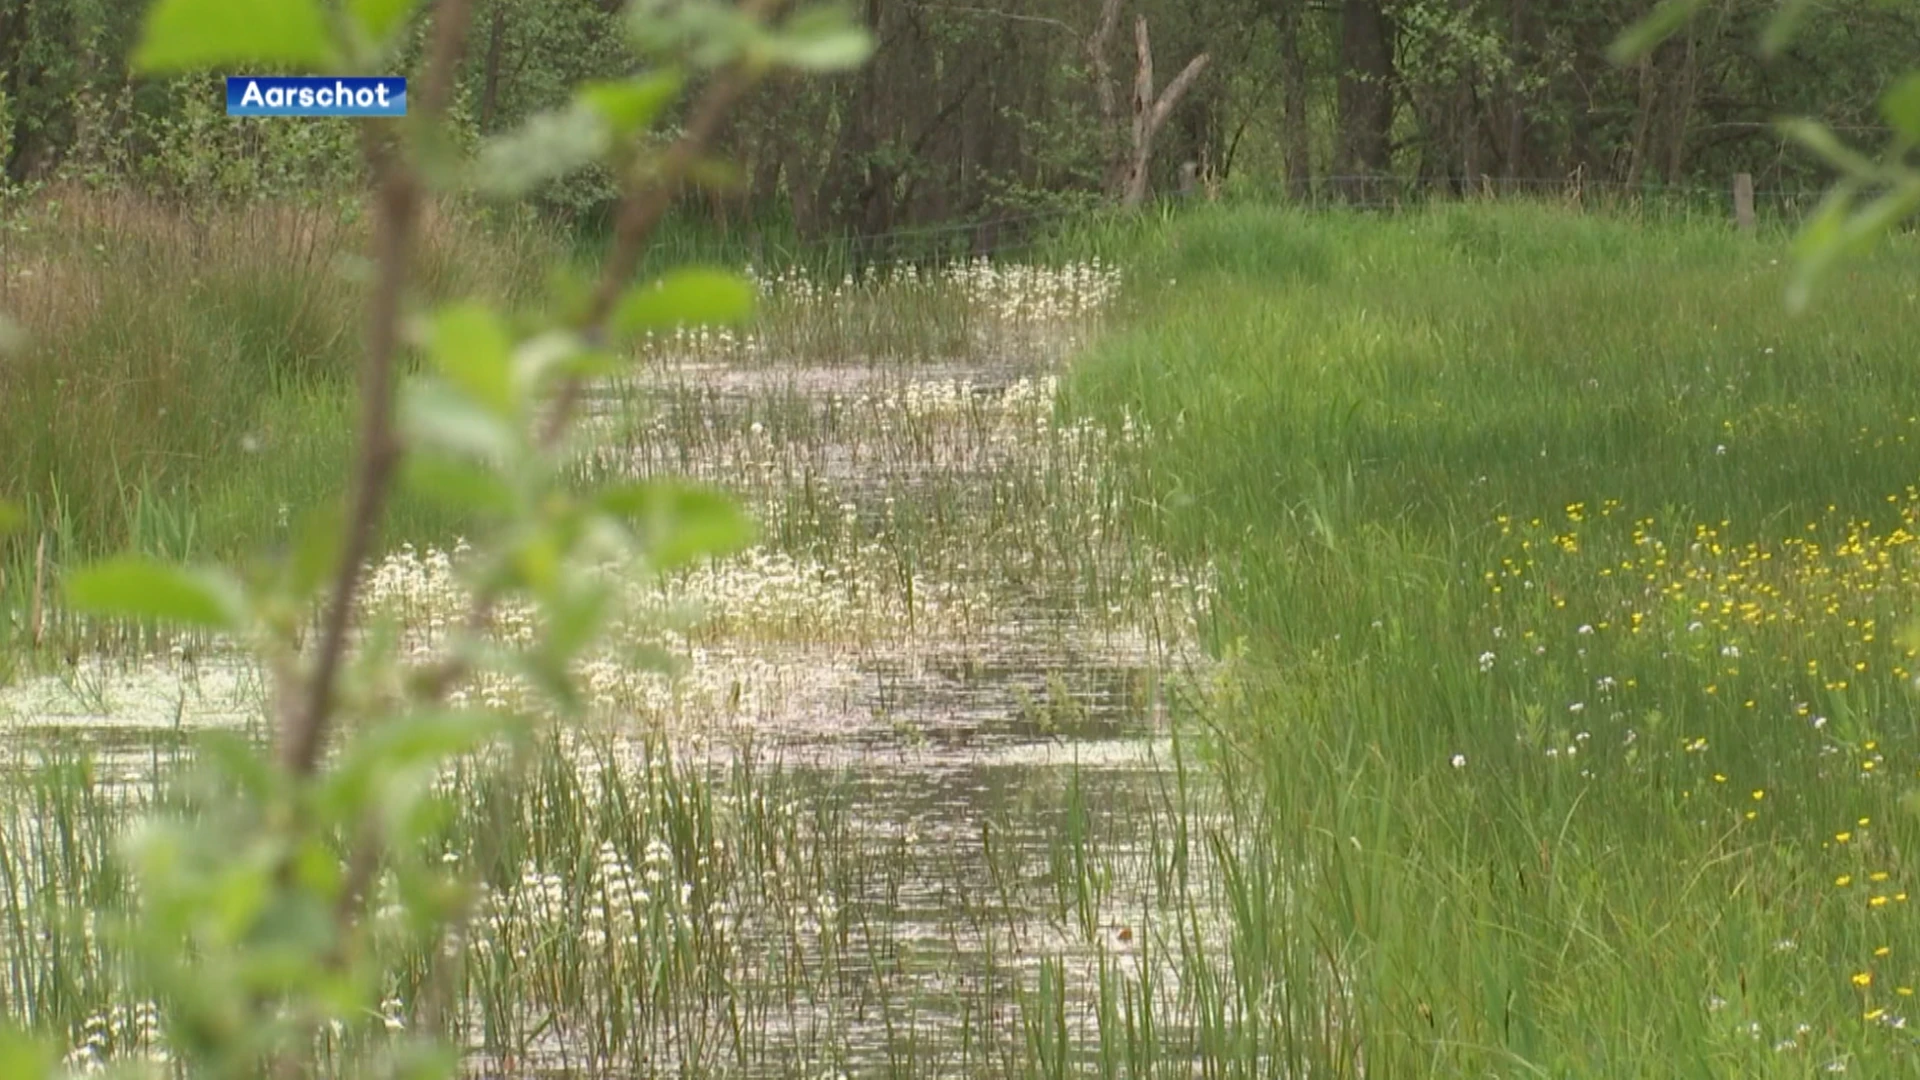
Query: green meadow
pixel 1569 579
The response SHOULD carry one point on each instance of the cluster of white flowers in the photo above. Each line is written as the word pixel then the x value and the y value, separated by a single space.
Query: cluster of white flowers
pixel 1020 293
pixel 922 516
pixel 876 582
pixel 990 305
pixel 120 1035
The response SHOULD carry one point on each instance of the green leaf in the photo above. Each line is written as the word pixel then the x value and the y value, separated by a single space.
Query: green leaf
pixel 1820 139
pixel 12 338
pixel 471 347
pixel 405 743
pixel 703 32
pixel 458 484
pixel 136 587
pixel 1901 106
pixel 316 551
pixel 235 760
pixel 715 174
pixel 12 517
pixel 1818 245
pixel 432 414
pixel 557 353
pixel 575 611
pixel 548 146
pixel 631 105
pixel 189 35
pixel 691 297
pixel 588 364
pixel 24 1057
pixel 1784 24
pixel 821 38
pixel 644 656
pixel 1908 636
pixel 431 738
pixel 1871 223
pixel 1649 33
pixel 679 522
pixel 1879 217
pixel 380 18
pixel 536 559
pixel 548 675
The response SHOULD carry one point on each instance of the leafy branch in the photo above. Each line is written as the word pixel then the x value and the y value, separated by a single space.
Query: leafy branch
pixel 252 930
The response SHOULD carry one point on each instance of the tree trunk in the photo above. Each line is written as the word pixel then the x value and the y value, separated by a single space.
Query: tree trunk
pixel 1689 85
pixel 14 42
pixel 1643 124
pixel 1105 95
pixel 490 74
pixel 1150 113
pixel 1365 95
pixel 850 182
pixel 1514 165
pixel 1296 141
pixel 1466 121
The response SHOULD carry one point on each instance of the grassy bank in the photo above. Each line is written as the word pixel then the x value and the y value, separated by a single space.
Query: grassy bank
pixel 854 837
pixel 185 385
pixel 1570 572
pixel 179 365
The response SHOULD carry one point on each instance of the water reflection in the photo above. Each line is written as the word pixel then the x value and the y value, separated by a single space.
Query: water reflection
pixel 973 761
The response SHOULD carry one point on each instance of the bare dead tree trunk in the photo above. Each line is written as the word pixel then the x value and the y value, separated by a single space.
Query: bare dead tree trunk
pixel 1127 172
pixel 1150 113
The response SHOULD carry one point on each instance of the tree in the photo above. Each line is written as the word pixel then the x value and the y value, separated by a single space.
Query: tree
pixel 1366 89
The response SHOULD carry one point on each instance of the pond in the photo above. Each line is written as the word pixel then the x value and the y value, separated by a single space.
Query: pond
pixel 911 804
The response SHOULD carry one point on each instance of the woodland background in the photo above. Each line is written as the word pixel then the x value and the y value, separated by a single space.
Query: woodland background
pixel 979 114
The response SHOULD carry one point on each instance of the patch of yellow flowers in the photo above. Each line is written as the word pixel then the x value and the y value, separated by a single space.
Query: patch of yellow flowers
pixel 1829 611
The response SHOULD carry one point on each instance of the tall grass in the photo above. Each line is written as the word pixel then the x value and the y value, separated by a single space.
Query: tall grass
pixel 642 913
pixel 1570 570
pixel 167 349
pixel 186 384
pixel 647 913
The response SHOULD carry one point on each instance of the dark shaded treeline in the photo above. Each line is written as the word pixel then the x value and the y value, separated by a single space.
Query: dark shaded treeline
pixel 975 110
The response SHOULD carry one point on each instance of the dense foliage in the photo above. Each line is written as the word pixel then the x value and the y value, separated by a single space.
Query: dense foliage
pixel 984 112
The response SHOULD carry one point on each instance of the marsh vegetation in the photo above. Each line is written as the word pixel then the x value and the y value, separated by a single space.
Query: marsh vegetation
pixel 1468 641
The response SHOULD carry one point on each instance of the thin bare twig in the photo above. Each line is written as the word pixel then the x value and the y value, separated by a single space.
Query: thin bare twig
pixel 639 215
pixel 640 212
pixel 1009 16
pixel 303 729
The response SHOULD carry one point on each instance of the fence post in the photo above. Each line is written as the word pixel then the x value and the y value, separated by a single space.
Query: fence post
pixel 1189 179
pixel 1743 201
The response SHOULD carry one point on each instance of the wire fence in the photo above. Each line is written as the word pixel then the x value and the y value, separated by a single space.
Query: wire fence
pixel 1377 192
pixel 1012 232
pixel 1008 234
